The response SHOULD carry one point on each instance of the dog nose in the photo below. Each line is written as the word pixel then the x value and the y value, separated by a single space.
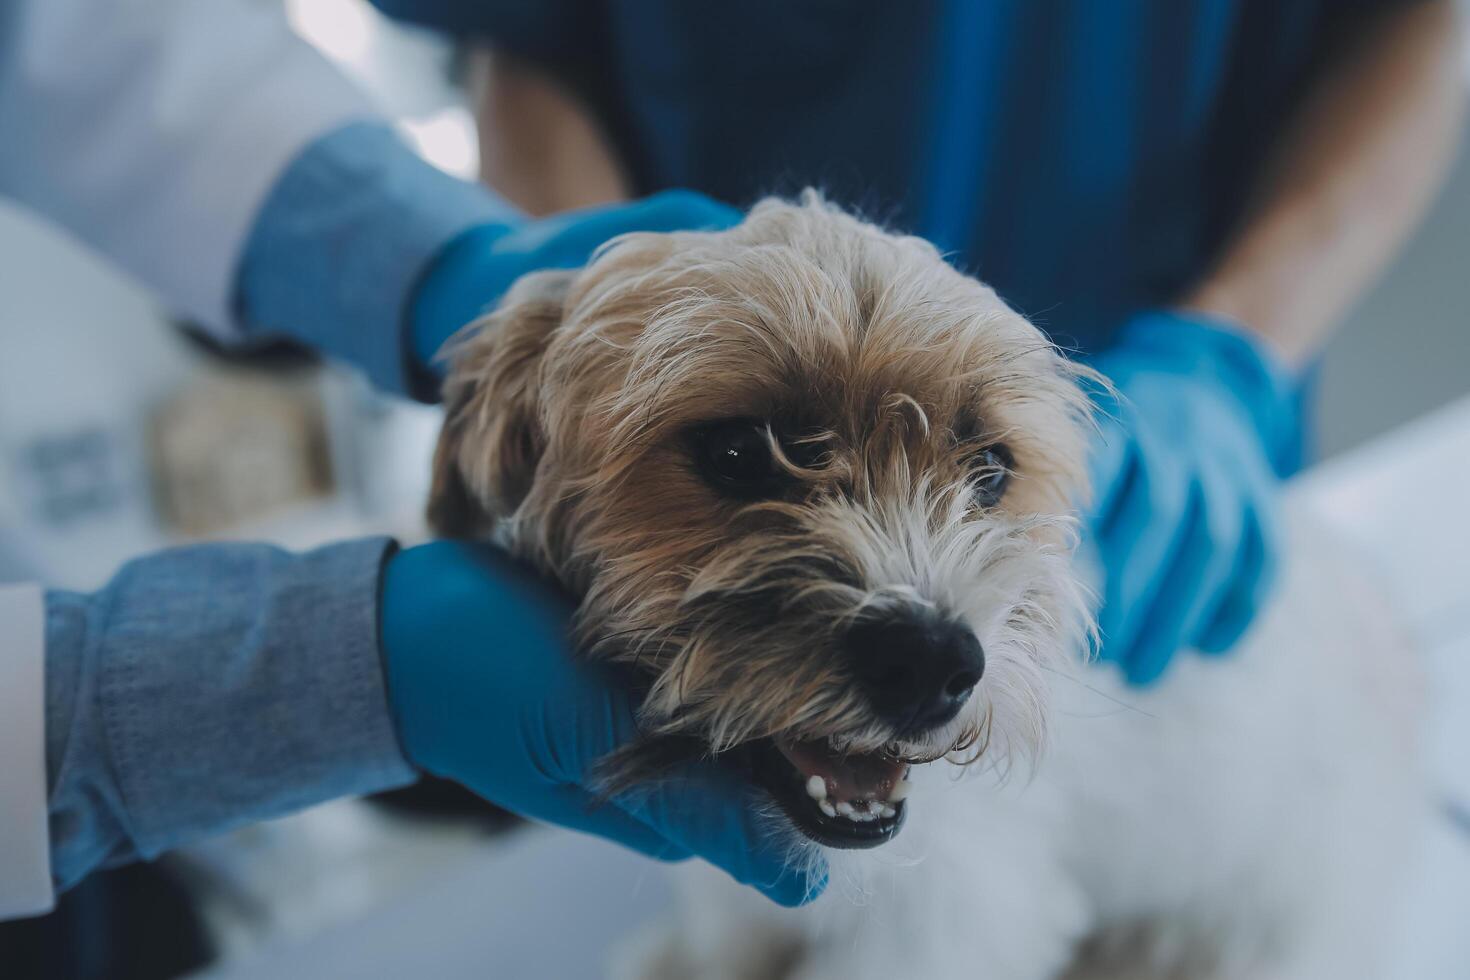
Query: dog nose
pixel 916 668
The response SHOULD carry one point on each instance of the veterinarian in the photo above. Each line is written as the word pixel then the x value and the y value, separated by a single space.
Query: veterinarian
pixel 203 149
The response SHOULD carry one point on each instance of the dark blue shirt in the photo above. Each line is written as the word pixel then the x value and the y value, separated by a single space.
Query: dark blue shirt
pixel 1087 158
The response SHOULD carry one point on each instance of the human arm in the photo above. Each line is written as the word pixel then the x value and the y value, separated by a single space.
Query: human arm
pixel 210 686
pixel 1350 178
pixel 202 147
pixel 1205 417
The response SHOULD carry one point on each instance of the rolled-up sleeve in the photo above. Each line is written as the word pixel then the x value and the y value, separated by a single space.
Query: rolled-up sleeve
pixel 342 242
pixel 25 880
pixel 211 686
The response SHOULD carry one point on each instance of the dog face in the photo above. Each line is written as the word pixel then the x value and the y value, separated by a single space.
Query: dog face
pixel 810 480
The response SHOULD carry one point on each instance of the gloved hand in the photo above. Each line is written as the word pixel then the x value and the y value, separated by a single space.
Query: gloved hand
pixel 477 268
pixel 487 692
pixel 1186 480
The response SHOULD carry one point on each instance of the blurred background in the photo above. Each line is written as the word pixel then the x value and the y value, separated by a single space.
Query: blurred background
pixel 122 432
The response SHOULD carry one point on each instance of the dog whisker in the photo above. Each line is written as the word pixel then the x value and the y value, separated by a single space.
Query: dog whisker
pixel 1102 694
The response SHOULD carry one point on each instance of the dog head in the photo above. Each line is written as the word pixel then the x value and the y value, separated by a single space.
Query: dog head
pixel 808 478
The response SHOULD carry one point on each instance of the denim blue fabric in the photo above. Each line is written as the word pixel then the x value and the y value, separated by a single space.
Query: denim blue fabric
pixel 208 687
pixel 341 243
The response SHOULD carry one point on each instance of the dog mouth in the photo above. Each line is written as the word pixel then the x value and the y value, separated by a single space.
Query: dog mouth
pixel 838 799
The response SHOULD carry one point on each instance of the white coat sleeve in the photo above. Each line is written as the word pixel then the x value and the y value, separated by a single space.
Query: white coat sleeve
pixel 25 864
pixel 154 129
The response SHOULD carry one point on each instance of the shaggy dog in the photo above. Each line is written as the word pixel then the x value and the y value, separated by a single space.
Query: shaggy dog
pixel 817 486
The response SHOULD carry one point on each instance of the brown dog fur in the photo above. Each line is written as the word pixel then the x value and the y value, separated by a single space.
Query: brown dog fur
pixel 571 410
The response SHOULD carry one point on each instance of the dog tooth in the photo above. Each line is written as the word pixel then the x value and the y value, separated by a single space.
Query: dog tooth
pixel 816 788
pixel 888 811
pixel 900 791
pixel 844 808
pixel 827 808
pixel 874 806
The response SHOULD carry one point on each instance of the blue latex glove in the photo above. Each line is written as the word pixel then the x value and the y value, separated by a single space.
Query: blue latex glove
pixel 486 691
pixel 477 268
pixel 1186 488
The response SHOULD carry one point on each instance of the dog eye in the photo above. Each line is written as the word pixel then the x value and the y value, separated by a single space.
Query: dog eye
pixel 735 456
pixel 990 471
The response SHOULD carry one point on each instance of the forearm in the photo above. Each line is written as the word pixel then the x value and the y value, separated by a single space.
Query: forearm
pixel 208 687
pixel 1352 176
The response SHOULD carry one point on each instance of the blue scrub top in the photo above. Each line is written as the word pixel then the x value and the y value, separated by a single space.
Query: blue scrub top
pixel 1085 157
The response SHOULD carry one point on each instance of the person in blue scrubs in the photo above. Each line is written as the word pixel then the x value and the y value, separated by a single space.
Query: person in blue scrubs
pixel 1187 193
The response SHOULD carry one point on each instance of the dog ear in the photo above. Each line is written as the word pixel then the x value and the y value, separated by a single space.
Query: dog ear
pixel 491 441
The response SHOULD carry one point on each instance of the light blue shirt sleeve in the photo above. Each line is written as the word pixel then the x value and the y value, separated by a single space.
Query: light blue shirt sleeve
pixel 342 241
pixel 208 687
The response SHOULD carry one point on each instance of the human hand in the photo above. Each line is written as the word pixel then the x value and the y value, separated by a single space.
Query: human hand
pixel 1184 514
pixel 477 268
pixel 487 691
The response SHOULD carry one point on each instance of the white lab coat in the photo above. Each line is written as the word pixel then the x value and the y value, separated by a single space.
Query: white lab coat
pixel 25 866
pixel 152 130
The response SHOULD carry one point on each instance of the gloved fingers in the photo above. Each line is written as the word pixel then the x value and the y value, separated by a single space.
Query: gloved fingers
pixel 711 812
pixel 1205 566
pixel 1135 547
pixel 1250 583
pixel 1194 402
pixel 706 810
pixel 577 809
pixel 682 210
pixel 1180 581
pixel 1115 532
pixel 1111 467
pixel 603 719
pixel 568 240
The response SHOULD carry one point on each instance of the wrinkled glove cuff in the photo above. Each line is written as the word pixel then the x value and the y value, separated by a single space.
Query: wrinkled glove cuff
pixel 1225 356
